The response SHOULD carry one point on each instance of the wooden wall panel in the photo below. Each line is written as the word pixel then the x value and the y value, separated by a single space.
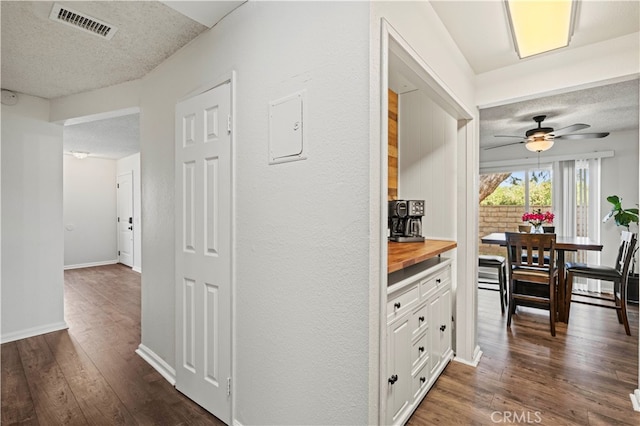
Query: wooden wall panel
pixel 429 162
pixel 393 146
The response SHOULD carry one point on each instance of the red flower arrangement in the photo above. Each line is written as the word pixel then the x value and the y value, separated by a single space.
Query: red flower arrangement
pixel 537 218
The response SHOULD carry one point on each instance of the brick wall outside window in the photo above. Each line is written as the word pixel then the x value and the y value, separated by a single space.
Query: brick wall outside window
pixel 500 219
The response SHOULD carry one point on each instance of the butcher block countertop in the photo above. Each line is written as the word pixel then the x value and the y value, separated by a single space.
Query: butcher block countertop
pixel 402 255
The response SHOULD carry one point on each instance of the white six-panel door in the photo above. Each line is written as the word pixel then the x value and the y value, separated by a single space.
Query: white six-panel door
pixel 203 250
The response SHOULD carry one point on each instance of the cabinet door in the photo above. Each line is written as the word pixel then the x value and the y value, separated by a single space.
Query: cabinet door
pixel 434 333
pixel 445 321
pixel 398 368
pixel 439 327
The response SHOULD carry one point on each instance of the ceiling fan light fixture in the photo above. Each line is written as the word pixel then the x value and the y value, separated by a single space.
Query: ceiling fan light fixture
pixel 538 144
pixel 540 26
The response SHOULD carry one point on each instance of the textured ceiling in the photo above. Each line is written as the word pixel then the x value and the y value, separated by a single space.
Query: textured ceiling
pixel 112 138
pixel 608 108
pixel 48 59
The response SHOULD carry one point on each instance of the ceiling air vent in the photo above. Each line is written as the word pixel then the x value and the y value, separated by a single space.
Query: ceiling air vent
pixel 82 21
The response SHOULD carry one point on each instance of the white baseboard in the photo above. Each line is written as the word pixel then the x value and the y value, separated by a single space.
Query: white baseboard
pixel 635 399
pixel 137 269
pixel 160 365
pixel 34 331
pixel 477 354
pixel 89 265
pixel 236 423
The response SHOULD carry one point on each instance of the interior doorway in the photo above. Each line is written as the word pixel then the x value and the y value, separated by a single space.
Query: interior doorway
pixel 403 69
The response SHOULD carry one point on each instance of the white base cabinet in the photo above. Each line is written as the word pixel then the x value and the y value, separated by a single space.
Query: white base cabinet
pixel 418 336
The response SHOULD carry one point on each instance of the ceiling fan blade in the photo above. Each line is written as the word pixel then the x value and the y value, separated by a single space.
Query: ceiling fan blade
pixel 584 136
pixel 507 136
pixel 504 144
pixel 569 129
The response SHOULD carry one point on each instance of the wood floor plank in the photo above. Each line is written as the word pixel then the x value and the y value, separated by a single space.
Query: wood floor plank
pixel 92 371
pixel 583 376
pixel 97 400
pixel 90 374
pixel 17 405
pixel 54 401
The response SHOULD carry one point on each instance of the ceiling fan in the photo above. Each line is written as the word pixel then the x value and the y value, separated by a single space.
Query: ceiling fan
pixel 542 138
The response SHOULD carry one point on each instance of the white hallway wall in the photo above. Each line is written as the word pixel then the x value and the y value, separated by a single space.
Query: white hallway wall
pixel 307 280
pixel 90 232
pixel 126 165
pixel 32 237
pixel 32 256
pixel 620 176
pixel 302 261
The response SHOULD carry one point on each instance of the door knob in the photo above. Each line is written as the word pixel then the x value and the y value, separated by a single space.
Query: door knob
pixel 443 327
pixel 131 228
pixel 393 379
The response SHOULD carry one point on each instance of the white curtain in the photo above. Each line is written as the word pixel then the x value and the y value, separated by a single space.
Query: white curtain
pixel 564 197
pixel 577 204
pixel 594 221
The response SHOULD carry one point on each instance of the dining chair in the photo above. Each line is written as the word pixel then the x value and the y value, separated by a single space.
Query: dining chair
pixel 618 274
pixel 499 264
pixel 532 281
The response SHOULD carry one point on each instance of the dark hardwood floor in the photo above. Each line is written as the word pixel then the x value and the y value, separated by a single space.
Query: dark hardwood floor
pixel 90 374
pixel 583 376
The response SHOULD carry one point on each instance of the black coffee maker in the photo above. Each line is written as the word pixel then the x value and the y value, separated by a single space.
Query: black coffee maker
pixel 405 220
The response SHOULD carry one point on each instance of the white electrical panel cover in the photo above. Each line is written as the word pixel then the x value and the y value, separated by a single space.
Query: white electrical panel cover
pixel 286 129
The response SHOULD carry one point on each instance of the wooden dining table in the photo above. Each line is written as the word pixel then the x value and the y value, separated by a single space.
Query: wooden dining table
pixel 563 244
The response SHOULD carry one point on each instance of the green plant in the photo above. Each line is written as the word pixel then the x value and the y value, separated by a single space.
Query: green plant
pixel 623 217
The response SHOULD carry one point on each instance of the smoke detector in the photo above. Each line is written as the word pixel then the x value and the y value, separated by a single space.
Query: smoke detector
pixel 82 21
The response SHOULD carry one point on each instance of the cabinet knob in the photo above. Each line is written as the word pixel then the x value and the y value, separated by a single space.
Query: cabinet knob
pixel 421 349
pixel 397 305
pixel 443 327
pixel 438 280
pixel 421 319
pixel 423 379
pixel 393 379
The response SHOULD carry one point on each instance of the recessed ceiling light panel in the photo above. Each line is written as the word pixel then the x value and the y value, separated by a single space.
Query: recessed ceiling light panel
pixel 540 26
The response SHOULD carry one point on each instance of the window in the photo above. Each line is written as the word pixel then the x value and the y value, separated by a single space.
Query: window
pixel 505 196
pixel 530 188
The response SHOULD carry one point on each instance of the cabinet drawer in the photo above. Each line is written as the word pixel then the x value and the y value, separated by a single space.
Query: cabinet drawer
pixel 419 321
pixel 402 303
pixel 419 380
pixel 419 351
pixel 432 283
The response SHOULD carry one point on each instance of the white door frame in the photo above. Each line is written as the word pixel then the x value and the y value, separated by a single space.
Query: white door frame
pixel 465 344
pixel 230 78
pixel 128 174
